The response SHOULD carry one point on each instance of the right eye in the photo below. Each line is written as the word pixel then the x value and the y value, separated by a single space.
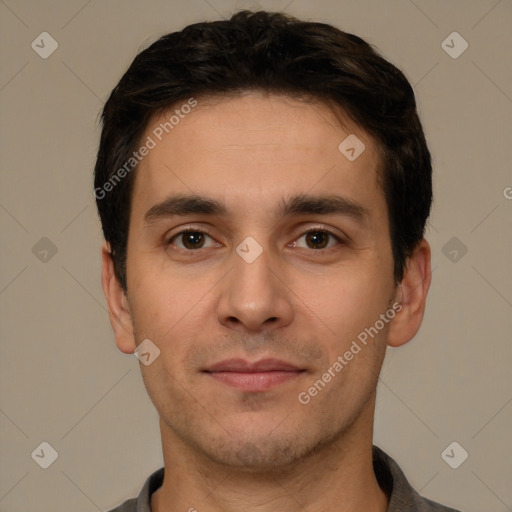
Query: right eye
pixel 191 240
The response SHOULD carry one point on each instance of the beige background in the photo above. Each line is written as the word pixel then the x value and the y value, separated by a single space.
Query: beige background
pixel 62 379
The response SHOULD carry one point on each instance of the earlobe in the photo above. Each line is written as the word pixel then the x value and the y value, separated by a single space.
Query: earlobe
pixel 118 307
pixel 412 295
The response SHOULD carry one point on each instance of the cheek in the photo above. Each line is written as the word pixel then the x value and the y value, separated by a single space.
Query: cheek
pixel 348 300
pixel 171 311
pixel 160 298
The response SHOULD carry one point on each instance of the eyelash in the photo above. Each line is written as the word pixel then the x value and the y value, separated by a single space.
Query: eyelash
pixel 191 229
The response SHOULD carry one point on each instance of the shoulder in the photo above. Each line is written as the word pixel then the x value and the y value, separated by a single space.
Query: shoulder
pixel 143 502
pixel 402 497
pixel 127 506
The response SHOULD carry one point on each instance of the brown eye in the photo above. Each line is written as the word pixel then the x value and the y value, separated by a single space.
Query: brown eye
pixel 190 240
pixel 317 239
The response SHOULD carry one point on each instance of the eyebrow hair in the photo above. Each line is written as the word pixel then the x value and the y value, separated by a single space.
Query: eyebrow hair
pixel 183 204
pixel 323 205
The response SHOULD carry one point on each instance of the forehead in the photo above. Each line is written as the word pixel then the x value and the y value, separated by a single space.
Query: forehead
pixel 255 149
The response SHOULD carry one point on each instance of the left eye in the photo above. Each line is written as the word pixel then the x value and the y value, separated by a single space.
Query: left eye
pixel 318 239
pixel 190 240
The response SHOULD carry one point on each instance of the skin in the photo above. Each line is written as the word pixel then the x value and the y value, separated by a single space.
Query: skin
pixel 226 449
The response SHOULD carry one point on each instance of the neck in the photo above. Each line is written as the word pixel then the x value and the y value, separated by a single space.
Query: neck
pixel 337 476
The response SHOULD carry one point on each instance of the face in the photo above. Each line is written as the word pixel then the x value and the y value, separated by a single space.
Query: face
pixel 257 254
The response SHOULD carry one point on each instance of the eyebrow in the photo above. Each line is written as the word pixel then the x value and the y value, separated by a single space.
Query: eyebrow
pixel 323 205
pixel 302 204
pixel 184 205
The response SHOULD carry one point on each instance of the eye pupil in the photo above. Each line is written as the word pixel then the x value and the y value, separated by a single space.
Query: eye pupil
pixel 193 240
pixel 318 239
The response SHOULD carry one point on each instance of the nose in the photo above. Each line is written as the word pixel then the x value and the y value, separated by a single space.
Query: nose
pixel 254 296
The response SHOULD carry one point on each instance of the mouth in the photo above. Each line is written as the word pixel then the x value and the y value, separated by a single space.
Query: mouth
pixel 254 377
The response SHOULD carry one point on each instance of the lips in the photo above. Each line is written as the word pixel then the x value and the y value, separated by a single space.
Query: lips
pixel 253 377
pixel 240 365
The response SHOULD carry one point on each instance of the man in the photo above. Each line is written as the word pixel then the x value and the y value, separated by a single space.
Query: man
pixel 263 185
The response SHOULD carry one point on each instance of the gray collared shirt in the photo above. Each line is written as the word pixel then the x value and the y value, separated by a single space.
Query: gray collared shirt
pixel 402 497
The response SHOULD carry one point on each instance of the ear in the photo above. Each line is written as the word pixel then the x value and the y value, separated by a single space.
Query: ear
pixel 412 296
pixel 118 307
